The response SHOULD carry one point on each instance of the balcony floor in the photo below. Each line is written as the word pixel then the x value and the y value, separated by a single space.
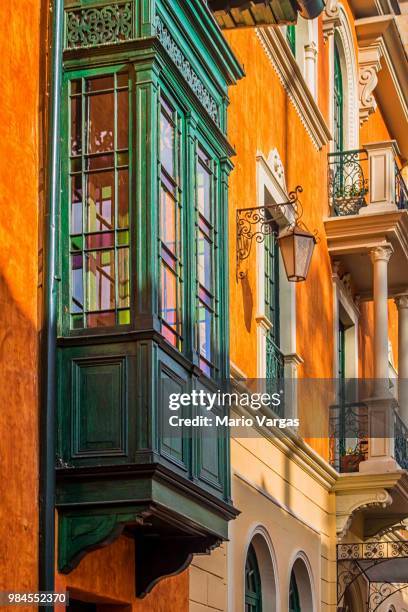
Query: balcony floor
pixel 351 238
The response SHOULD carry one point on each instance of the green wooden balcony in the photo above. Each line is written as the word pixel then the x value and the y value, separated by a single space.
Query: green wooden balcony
pixel 142 303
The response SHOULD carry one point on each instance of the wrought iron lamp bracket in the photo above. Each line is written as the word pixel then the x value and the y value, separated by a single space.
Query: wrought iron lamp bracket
pixel 256 223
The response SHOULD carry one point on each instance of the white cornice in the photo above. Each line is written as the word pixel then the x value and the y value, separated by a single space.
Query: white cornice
pixel 288 71
pixel 392 88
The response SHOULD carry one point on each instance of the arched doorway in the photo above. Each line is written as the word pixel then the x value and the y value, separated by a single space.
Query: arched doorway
pixel 253 586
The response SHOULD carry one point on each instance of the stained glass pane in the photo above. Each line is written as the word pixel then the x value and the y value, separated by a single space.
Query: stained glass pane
pixel 100 122
pixel 204 326
pixel 101 203
pixel 123 119
pixel 204 190
pixel 77 283
pixel 123 279
pixel 76 125
pixel 168 220
pixel 76 204
pixel 123 198
pixel 100 83
pixel 100 280
pixel 167 140
pixel 204 261
pixel 169 304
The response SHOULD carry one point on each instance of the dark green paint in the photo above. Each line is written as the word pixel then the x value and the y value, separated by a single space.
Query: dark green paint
pixel 115 465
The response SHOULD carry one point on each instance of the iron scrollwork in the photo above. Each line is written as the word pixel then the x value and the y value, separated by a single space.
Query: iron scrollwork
pixel 255 224
pixel 187 72
pixel 401 190
pixel 347 183
pixel 348 436
pixel 401 442
pixel 89 27
pixel 349 569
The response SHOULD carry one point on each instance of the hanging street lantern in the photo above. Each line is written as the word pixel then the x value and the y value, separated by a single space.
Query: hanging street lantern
pixel 296 245
pixel 296 242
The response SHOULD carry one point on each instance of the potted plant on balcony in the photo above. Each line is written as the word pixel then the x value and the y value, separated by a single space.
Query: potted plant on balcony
pixel 352 458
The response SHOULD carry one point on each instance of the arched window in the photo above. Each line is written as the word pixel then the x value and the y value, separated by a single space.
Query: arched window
pixel 294 599
pixel 338 127
pixel 300 587
pixel 291 38
pixel 253 592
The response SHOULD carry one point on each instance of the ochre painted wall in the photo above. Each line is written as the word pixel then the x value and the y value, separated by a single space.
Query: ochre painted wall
pixel 107 576
pixel 259 123
pixel 261 118
pixel 22 39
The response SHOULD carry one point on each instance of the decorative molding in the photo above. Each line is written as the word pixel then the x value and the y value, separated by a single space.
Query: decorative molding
pixel 369 63
pixel 277 167
pixel 381 253
pixel 289 73
pixel 90 27
pixel 293 359
pixel 348 505
pixel 331 18
pixel 349 64
pixel 392 88
pixel 186 71
pixel 401 301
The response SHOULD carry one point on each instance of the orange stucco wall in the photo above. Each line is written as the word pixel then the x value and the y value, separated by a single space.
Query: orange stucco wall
pixel 107 576
pixel 257 124
pixel 261 118
pixel 20 194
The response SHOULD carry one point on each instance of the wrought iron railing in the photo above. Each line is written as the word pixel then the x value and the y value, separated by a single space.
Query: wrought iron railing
pixel 275 371
pixel 401 190
pixel 275 364
pixel 347 181
pixel 401 442
pixel 348 442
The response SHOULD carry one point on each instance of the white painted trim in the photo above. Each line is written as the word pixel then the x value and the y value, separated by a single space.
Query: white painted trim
pixel 271 178
pixel 258 529
pixel 344 38
pixel 340 296
pixel 276 48
pixel 302 556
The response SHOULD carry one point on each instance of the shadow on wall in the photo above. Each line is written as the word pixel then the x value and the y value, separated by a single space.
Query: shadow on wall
pixel 248 302
pixel 19 445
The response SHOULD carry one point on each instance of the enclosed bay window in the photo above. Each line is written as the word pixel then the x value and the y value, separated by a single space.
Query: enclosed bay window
pixel 100 198
pixel 99 201
pixel 145 162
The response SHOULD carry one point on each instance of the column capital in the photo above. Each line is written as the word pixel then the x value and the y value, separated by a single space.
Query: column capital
pixel 382 252
pixel 401 301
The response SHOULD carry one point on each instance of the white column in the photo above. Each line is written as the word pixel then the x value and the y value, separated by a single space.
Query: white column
pixel 380 257
pixel 402 304
pixel 380 421
pixel 310 66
